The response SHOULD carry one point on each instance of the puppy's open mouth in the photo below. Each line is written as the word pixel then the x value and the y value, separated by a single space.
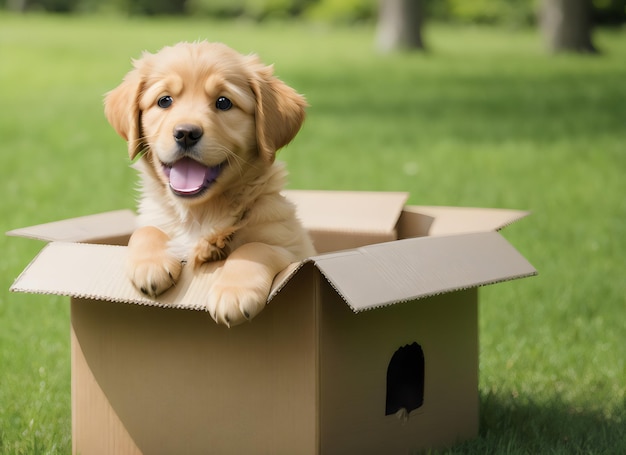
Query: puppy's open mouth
pixel 190 178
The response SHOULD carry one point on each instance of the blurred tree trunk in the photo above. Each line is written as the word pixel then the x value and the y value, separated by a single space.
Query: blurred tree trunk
pixel 17 5
pixel 566 25
pixel 400 25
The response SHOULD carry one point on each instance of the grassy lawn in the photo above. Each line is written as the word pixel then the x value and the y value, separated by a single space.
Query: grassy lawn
pixel 484 119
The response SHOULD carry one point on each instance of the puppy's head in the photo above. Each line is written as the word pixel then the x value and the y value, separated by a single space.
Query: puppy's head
pixel 204 115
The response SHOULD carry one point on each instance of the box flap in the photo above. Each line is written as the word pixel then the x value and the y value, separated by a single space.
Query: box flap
pixel 440 220
pixel 383 274
pixel 348 211
pixel 76 270
pixel 90 228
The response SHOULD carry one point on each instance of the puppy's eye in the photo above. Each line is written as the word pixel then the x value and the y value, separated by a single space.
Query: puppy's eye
pixel 165 102
pixel 223 103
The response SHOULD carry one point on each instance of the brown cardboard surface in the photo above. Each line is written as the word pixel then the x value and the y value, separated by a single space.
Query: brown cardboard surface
pixel 355 350
pixel 178 383
pixel 307 376
pixel 90 405
pixel 338 220
pixel 348 211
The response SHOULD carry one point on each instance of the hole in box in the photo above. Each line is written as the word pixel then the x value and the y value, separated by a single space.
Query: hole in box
pixel 405 380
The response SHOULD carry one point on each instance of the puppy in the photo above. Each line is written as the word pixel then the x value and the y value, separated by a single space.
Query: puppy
pixel 206 123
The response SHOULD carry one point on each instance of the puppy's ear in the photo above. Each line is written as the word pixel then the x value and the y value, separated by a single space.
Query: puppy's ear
pixel 121 108
pixel 279 111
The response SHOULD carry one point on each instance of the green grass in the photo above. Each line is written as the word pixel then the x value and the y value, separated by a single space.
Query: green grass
pixel 484 119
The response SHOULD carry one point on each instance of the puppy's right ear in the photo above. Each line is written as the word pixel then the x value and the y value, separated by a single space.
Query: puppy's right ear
pixel 121 108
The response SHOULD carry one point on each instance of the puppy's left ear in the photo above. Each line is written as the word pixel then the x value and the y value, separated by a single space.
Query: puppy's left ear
pixel 121 108
pixel 279 112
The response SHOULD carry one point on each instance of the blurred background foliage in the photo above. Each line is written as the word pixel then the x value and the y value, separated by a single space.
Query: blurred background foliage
pixel 502 12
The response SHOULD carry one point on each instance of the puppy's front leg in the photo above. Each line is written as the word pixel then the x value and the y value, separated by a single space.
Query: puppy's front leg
pixel 151 267
pixel 241 289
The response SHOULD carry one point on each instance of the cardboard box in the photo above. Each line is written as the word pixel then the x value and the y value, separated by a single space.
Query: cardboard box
pixel 370 347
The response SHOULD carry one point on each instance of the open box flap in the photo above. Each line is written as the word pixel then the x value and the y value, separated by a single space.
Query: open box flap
pixel 348 211
pixel 367 277
pixel 383 274
pixel 440 220
pixel 94 271
pixel 77 270
pixel 91 228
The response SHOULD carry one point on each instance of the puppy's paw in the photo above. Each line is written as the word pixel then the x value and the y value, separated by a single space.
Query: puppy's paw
pixel 210 249
pixel 232 304
pixel 155 273
pixel 214 247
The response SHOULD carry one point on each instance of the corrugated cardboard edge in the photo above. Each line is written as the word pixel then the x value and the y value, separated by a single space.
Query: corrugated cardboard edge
pixel 284 277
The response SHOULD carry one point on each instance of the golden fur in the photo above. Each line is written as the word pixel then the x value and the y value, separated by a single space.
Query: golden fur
pixel 171 108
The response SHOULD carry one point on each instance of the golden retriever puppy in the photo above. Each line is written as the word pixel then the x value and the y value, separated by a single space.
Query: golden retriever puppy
pixel 206 123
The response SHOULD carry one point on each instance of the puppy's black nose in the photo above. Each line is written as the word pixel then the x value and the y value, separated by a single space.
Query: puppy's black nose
pixel 187 134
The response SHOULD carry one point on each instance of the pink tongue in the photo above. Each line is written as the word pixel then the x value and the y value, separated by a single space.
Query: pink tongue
pixel 187 176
